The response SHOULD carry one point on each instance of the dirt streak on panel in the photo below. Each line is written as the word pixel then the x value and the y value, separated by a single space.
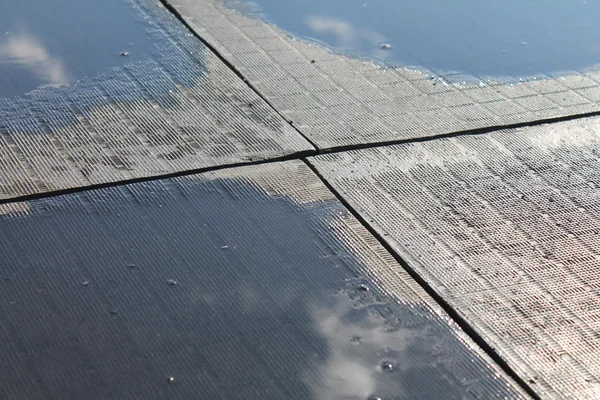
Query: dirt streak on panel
pixel 233 284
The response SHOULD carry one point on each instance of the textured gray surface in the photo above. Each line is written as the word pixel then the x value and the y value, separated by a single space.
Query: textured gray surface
pixel 179 109
pixel 505 228
pixel 341 101
pixel 245 281
pixel 240 284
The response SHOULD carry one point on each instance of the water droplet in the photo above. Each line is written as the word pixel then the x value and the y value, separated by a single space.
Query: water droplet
pixel 386 46
pixel 131 266
pixel 387 366
pixel 114 311
pixel 356 339
pixel 374 397
pixel 85 283
pixel 523 43
pixel 171 379
pixel 363 288
pixel 124 53
pixel 224 247
pixel 171 282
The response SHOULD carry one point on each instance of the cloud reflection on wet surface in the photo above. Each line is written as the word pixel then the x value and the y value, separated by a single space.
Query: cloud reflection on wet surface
pixel 508 39
pixel 365 355
pixel 268 299
pixel 54 43
pixel 28 51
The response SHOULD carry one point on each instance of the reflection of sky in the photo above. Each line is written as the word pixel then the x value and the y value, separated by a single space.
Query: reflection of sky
pixel 52 43
pixel 357 348
pixel 72 51
pixel 512 38
pixel 265 302
pixel 26 50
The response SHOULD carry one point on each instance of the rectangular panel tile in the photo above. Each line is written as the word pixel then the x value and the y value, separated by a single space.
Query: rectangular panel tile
pixel 425 104
pixel 504 226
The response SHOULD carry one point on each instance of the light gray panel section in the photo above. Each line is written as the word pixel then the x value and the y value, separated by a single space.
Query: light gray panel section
pixel 505 228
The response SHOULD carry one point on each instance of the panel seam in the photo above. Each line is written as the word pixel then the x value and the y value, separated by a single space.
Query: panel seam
pixel 453 313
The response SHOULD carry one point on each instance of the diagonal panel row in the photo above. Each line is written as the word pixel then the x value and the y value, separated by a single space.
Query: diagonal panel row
pixel 340 101
pixel 170 107
pixel 232 284
pixel 505 227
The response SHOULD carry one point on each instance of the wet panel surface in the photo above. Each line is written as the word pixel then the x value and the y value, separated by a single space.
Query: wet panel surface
pixel 248 283
pixel 506 228
pixel 113 111
pixel 57 42
pixel 339 100
pixel 515 38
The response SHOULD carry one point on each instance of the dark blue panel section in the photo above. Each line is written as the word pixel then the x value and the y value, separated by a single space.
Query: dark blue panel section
pixel 74 45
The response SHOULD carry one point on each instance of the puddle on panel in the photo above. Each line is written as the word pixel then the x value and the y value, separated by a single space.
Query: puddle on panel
pixel 482 39
pixel 178 287
pixel 54 43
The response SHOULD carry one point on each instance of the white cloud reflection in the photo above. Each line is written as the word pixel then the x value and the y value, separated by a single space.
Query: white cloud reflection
pixel 357 343
pixel 347 37
pixel 27 50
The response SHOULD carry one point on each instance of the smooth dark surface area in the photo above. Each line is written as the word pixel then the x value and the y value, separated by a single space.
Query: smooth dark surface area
pixel 56 42
pixel 250 285
pixel 515 38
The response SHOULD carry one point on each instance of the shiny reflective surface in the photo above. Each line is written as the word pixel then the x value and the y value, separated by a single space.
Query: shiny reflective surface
pixel 515 38
pixel 76 113
pixel 239 286
pixel 56 42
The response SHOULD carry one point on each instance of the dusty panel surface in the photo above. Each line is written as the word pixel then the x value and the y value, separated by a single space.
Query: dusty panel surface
pixel 242 284
pixel 340 100
pixel 506 228
pixel 158 105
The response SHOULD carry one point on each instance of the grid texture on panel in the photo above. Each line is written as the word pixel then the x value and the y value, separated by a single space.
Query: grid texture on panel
pixel 179 109
pixel 234 283
pixel 506 228
pixel 339 100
